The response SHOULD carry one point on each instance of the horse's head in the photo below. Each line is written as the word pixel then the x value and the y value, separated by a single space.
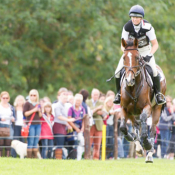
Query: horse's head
pixel 131 60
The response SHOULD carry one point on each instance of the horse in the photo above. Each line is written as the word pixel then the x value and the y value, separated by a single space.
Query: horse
pixel 136 100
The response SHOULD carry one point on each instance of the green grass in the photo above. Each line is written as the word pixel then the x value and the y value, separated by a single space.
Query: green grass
pixel 11 166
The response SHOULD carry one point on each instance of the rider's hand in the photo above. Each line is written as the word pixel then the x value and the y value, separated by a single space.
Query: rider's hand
pixel 147 57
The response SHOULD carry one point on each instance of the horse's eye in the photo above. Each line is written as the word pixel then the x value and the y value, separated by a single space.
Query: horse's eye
pixel 123 58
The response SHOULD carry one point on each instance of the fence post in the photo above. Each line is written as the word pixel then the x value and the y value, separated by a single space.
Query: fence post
pixel 115 135
pixel 87 146
pixel 104 143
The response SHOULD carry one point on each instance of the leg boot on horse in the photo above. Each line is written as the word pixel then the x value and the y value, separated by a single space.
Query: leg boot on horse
pixel 117 97
pixel 149 157
pixel 128 136
pixel 144 135
pixel 159 96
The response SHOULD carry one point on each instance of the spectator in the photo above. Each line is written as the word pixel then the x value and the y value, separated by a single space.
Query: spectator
pixel 69 103
pixel 96 129
pixel 77 112
pixel 46 131
pixel 165 118
pixel 85 94
pixel 102 97
pixel 41 102
pixel 30 107
pixel 46 99
pixel 60 123
pixel 56 101
pixel 18 104
pixel 110 93
pixel 108 108
pixel 171 146
pixel 7 116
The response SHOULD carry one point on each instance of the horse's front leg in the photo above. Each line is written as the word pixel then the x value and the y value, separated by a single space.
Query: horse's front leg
pixel 128 136
pixel 144 134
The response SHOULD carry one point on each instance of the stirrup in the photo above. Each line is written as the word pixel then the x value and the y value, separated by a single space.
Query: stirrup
pixel 117 101
pixel 164 100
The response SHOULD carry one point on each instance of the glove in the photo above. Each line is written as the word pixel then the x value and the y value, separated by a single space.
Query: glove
pixel 147 58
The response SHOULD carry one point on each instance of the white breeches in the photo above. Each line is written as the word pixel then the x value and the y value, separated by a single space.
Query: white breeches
pixel 143 52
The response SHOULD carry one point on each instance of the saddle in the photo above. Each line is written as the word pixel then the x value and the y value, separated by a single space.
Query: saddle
pixel 148 73
pixel 149 79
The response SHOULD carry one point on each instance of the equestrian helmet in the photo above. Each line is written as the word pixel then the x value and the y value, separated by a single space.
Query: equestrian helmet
pixel 136 11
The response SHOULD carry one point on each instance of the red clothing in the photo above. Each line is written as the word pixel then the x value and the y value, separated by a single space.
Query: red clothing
pixel 59 128
pixel 46 132
pixel 95 137
pixel 105 121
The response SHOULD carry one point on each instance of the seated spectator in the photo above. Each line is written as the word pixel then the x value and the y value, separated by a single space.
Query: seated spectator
pixel 77 112
pixel 46 131
pixel 7 116
pixel 61 123
pixel 18 104
pixel 31 107
pixel 164 128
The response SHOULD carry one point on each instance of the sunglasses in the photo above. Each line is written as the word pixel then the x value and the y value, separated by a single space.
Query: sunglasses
pixel 5 98
pixel 33 95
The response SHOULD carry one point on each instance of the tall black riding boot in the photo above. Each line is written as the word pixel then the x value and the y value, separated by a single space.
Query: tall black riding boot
pixel 117 97
pixel 159 96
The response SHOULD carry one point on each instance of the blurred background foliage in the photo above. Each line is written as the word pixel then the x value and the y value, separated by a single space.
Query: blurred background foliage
pixel 47 44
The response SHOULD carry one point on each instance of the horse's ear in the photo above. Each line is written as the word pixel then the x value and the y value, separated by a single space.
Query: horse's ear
pixel 136 42
pixel 124 43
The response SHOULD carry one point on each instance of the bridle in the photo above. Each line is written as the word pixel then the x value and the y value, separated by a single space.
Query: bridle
pixel 141 84
pixel 140 66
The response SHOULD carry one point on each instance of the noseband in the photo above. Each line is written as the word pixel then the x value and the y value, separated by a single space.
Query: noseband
pixel 139 66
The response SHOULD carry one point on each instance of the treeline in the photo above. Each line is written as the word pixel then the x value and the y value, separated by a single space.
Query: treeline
pixel 46 44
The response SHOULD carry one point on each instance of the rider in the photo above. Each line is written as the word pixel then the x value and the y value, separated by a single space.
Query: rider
pixel 141 29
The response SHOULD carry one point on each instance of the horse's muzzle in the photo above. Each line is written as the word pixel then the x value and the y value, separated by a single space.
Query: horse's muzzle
pixel 130 82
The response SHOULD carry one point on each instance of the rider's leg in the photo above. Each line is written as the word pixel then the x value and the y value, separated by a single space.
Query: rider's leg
pixel 117 81
pixel 156 82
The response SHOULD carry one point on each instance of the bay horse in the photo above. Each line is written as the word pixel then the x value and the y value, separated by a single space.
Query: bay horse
pixel 136 100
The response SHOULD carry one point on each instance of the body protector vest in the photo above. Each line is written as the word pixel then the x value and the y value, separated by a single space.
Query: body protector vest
pixel 141 35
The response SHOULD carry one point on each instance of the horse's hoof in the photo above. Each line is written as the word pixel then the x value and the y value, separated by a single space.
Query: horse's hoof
pixel 139 153
pixel 139 149
pixel 149 159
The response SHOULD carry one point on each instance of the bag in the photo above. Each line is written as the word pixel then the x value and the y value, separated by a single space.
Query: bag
pixel 25 129
pixel 5 132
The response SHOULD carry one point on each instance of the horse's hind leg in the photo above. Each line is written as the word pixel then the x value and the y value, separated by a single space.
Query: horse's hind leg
pixel 155 119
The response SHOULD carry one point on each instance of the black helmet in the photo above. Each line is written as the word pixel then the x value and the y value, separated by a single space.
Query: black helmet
pixel 137 11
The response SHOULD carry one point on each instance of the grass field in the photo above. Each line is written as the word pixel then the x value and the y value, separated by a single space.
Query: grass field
pixel 11 166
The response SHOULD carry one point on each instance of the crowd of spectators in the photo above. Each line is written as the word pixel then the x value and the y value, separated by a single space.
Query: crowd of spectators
pixel 56 125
